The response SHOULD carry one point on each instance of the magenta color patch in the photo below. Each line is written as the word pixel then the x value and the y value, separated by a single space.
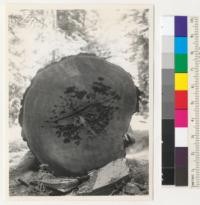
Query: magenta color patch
pixel 181 118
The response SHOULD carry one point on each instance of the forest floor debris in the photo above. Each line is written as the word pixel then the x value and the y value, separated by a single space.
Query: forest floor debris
pixel 121 179
pixel 36 183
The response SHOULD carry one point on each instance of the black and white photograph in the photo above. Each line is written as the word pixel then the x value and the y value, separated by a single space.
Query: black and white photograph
pixel 80 101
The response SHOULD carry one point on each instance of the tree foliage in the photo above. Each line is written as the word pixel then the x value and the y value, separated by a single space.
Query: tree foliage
pixel 39 37
pixel 139 52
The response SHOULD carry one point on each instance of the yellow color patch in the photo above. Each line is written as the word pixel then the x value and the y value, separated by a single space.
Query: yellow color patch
pixel 181 81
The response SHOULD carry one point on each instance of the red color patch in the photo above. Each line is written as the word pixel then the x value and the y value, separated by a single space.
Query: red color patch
pixel 181 99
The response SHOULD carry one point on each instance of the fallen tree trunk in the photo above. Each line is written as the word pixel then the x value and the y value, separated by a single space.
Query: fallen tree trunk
pixel 75 113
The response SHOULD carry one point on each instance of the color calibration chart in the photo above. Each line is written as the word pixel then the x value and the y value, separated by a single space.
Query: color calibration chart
pixel 180 101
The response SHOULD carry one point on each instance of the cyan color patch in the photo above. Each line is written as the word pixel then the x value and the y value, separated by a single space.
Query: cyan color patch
pixel 181 46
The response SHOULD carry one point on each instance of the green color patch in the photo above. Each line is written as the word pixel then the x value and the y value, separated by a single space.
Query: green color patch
pixel 181 63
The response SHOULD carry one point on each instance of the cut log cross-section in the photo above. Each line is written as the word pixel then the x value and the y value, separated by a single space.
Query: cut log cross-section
pixel 75 113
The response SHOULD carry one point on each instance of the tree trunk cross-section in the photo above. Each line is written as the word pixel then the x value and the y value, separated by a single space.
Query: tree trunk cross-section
pixel 75 113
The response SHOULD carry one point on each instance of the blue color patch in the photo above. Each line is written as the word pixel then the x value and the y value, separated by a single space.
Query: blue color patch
pixel 181 46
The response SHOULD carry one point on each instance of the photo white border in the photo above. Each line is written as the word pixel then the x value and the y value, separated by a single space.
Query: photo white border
pixel 12 6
